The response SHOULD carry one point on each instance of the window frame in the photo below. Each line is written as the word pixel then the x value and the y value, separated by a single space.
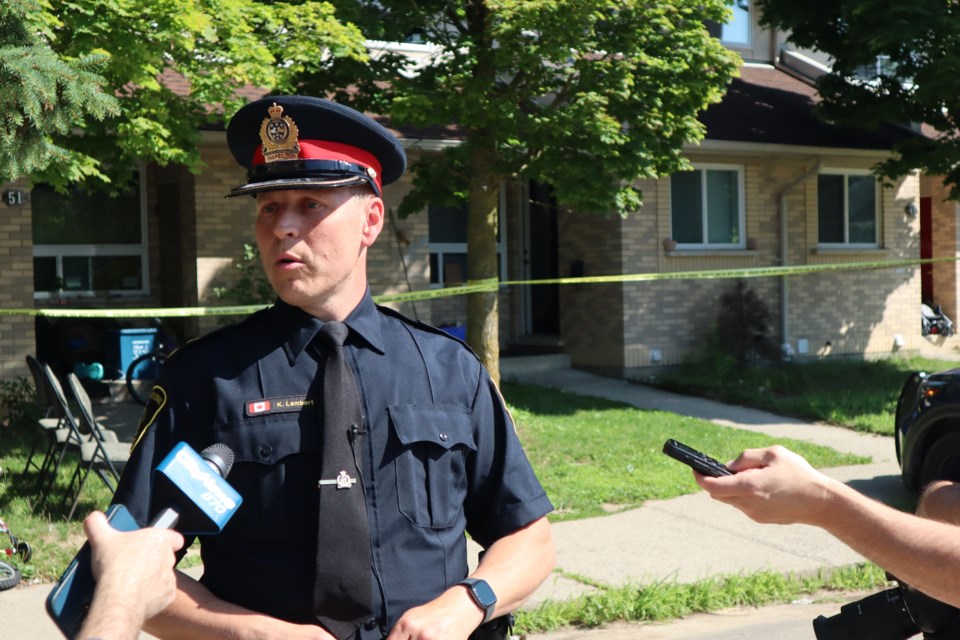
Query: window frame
pixel 703 167
pixel 749 26
pixel 90 251
pixel 877 218
pixel 441 248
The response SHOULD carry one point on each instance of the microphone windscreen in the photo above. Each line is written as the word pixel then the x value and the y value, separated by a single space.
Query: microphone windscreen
pixel 220 457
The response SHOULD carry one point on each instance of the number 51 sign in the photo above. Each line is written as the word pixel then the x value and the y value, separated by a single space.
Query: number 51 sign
pixel 14 197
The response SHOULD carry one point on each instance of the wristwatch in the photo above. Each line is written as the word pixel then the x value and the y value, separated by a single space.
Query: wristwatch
pixel 482 594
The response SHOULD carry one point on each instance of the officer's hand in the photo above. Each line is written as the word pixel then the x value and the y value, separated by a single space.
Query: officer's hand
pixel 452 616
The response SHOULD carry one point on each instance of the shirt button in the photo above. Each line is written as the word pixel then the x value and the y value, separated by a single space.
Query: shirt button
pixel 371 624
pixel 265 451
pixel 443 437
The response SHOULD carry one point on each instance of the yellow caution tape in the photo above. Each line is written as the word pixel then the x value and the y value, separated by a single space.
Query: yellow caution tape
pixel 484 286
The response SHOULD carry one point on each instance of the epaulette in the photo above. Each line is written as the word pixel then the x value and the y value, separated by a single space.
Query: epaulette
pixel 218 332
pixel 423 326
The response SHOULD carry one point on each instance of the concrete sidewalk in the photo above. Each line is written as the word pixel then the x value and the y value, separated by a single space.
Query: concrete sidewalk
pixel 683 539
pixel 693 537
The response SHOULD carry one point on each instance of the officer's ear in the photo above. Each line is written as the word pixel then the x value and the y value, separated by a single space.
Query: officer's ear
pixel 373 219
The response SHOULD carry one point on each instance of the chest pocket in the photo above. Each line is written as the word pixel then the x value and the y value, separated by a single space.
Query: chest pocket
pixel 430 466
pixel 269 439
pixel 276 462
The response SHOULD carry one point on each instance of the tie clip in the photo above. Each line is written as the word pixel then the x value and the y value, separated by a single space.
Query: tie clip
pixel 343 481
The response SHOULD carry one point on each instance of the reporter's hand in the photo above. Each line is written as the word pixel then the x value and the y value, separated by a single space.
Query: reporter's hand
pixel 773 485
pixel 135 566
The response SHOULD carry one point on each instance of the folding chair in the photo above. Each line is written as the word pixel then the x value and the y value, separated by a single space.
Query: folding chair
pixel 98 454
pixel 47 425
pixel 69 436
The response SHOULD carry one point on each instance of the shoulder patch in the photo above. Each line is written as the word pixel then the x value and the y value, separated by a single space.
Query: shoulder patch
pixel 156 403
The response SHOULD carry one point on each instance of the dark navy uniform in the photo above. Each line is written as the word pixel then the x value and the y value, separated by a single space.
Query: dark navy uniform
pixel 441 456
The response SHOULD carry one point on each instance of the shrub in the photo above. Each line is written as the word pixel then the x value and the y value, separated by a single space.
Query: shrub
pixel 251 285
pixel 744 326
pixel 18 399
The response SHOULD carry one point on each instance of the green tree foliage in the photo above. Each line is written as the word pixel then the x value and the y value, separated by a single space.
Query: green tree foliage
pixel 911 56
pixel 585 95
pixel 43 95
pixel 173 66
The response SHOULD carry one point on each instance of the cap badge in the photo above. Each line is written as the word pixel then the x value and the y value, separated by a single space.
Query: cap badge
pixel 279 136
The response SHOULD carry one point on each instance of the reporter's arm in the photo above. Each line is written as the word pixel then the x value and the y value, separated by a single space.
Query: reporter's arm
pixel 134 577
pixel 778 486
pixel 923 553
pixel 198 614
pixel 514 566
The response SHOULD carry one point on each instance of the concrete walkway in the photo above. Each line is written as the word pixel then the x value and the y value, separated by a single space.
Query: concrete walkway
pixel 683 539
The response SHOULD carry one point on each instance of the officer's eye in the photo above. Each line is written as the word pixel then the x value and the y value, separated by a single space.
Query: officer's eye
pixel 267 208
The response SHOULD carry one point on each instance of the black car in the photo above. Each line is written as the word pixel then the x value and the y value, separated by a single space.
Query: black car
pixel 928 428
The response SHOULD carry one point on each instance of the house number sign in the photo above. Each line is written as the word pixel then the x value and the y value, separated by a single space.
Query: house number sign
pixel 14 197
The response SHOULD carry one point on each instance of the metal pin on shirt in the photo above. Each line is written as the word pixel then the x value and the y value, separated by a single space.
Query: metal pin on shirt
pixel 343 481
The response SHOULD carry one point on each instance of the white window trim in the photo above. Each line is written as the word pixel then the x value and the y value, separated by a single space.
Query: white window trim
pixel 441 248
pixel 741 209
pixel 60 251
pixel 846 211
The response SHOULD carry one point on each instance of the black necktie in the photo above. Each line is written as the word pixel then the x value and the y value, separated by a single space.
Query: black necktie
pixel 343 578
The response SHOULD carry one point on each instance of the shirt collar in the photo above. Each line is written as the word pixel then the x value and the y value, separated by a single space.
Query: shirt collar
pixel 297 328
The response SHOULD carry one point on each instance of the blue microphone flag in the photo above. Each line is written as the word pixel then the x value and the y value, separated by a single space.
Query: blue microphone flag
pixel 210 500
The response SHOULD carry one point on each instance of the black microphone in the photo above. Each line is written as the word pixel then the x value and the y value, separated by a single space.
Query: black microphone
pixel 191 486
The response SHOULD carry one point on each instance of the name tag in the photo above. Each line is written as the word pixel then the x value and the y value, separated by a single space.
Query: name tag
pixel 289 404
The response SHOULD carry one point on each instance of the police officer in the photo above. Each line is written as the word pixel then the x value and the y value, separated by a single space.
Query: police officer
pixel 427 453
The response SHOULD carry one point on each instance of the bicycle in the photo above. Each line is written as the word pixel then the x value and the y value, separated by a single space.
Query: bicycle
pixel 144 370
pixel 10 576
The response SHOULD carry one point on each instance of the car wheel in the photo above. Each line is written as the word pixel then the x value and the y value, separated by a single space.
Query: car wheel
pixel 942 461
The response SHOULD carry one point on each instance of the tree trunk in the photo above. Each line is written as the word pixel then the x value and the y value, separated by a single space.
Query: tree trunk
pixel 483 332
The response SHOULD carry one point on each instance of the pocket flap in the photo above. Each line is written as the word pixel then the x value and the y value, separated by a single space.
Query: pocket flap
pixel 268 440
pixel 444 425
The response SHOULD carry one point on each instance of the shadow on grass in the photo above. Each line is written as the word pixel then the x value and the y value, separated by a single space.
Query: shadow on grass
pixel 545 401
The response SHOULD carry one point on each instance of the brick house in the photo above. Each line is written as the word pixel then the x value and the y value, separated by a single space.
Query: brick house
pixel 772 186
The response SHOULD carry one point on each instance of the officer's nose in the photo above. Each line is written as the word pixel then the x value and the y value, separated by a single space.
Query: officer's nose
pixel 287 223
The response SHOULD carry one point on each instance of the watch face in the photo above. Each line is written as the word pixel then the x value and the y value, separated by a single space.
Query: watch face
pixel 484 593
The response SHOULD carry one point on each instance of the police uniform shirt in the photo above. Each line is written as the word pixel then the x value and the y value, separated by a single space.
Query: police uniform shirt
pixel 440 457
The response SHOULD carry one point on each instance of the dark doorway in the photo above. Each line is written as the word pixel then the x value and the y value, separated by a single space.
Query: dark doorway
pixel 543 308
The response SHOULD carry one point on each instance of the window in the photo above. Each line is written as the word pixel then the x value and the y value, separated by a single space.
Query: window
pixel 448 245
pixel 707 207
pixel 736 30
pixel 88 243
pixel 847 209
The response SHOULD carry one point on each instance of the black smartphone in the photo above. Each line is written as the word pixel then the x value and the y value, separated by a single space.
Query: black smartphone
pixel 700 462
pixel 69 600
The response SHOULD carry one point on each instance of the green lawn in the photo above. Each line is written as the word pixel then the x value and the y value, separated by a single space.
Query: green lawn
pixel 849 393
pixel 596 456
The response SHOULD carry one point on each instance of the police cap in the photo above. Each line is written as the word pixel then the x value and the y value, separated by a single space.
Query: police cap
pixel 301 142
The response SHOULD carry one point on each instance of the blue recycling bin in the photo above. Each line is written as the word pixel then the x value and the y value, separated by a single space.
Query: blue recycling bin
pixel 130 345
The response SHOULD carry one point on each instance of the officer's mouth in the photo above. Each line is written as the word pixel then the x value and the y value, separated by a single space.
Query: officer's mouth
pixel 287 262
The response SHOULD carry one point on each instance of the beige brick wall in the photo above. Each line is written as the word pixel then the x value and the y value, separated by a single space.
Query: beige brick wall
pixel 855 312
pixel 16 285
pixel 592 315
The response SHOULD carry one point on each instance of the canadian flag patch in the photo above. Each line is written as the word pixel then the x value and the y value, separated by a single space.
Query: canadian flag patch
pixel 261 406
